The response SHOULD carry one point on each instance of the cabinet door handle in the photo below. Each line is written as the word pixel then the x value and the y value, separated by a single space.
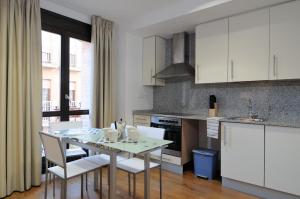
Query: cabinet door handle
pixel 231 69
pixel 223 131
pixel 274 66
pixel 225 142
pixel 198 72
pixel 151 73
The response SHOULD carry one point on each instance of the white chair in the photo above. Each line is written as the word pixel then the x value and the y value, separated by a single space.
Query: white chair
pixel 57 126
pixel 136 165
pixel 54 153
pixel 151 132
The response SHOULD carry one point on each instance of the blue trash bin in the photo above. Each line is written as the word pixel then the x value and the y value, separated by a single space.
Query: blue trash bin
pixel 205 163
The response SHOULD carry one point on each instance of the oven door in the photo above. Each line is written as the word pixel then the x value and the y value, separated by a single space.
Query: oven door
pixel 172 133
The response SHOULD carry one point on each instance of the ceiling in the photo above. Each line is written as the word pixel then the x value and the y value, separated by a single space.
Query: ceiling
pixel 188 21
pixel 120 11
pixel 162 17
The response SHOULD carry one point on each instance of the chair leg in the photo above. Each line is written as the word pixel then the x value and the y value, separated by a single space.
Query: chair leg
pixel 108 180
pixel 129 184
pixel 134 185
pixel 62 189
pixel 86 181
pixel 49 165
pixel 53 185
pixel 160 181
pixel 81 185
pixel 65 188
pixel 100 183
pixel 46 180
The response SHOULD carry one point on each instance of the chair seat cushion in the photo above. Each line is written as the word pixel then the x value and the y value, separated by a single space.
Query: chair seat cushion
pixel 98 159
pixel 107 157
pixel 77 167
pixel 134 165
pixel 75 152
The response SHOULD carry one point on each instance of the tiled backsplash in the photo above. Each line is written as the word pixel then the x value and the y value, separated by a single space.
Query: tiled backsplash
pixel 276 101
pixel 273 100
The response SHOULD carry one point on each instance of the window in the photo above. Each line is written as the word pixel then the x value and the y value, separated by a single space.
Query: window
pixel 46 57
pixel 72 60
pixel 66 59
pixel 72 95
pixel 46 94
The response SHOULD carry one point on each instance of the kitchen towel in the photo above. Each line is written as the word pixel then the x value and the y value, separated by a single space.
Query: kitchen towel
pixel 213 127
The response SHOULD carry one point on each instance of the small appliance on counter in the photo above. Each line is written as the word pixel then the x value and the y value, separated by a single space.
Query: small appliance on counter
pixel 213 106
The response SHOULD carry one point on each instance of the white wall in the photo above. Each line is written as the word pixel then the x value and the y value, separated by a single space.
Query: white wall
pixel 130 93
pixel 136 95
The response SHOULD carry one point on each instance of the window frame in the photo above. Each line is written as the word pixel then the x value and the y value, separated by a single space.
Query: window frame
pixel 67 28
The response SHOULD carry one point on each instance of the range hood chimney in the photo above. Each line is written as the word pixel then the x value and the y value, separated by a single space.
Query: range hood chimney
pixel 180 67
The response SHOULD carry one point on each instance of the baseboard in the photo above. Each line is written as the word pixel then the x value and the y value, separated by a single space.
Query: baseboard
pixel 258 191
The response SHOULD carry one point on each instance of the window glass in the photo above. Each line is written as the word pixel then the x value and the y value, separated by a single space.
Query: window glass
pixel 80 74
pixel 51 52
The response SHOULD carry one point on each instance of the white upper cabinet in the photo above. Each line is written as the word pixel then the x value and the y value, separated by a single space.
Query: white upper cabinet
pixel 285 41
pixel 283 159
pixel 249 46
pixel 154 53
pixel 242 152
pixel 212 52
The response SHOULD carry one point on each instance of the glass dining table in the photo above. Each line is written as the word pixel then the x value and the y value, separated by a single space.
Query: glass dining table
pixel 93 139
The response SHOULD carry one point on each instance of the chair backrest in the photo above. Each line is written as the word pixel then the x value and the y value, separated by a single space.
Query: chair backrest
pixel 157 133
pixel 53 149
pixel 56 126
pixel 152 132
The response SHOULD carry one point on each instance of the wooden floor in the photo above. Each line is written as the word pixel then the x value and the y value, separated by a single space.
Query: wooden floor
pixel 175 186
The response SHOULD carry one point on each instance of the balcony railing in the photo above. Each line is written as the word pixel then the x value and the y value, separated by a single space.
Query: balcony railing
pixel 51 106
pixel 46 57
pixel 74 105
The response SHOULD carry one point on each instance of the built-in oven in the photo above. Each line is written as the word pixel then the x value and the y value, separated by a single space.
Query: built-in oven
pixel 172 126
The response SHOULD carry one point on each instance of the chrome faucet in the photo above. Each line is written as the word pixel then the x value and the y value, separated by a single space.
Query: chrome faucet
pixel 251 114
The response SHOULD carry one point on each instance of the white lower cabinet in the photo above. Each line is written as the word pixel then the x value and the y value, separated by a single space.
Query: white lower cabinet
pixel 242 152
pixel 282 170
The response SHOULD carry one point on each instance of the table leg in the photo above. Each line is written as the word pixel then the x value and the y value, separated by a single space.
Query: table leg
pixel 160 175
pixel 96 174
pixel 112 173
pixel 147 176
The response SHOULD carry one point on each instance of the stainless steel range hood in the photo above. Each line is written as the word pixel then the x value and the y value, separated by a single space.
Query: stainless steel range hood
pixel 180 68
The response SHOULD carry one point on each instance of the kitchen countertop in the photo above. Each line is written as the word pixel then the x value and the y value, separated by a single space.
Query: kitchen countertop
pixel 292 124
pixel 176 115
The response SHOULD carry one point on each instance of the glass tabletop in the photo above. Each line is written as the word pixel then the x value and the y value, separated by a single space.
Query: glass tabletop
pixel 96 136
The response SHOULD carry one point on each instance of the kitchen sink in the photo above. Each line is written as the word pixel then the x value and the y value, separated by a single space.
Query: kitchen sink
pixel 246 119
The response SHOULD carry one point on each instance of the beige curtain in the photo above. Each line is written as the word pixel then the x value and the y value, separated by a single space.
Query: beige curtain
pixel 20 95
pixel 102 72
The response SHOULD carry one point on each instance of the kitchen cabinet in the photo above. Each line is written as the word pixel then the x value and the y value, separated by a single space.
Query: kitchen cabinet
pixel 282 169
pixel 154 53
pixel 249 46
pixel 285 41
pixel 242 152
pixel 212 52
